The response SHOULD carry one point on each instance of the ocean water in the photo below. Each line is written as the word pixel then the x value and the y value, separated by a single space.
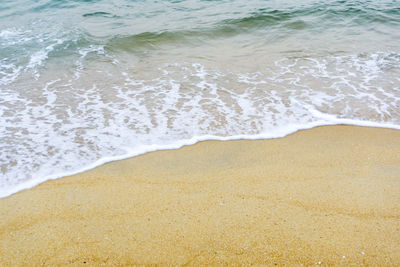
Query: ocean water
pixel 83 82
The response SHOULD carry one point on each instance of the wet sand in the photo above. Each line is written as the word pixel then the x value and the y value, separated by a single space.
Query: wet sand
pixel 329 196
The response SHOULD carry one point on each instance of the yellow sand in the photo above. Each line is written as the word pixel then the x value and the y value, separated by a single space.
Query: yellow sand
pixel 329 196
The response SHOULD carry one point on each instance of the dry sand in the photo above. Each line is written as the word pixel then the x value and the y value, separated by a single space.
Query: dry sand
pixel 329 196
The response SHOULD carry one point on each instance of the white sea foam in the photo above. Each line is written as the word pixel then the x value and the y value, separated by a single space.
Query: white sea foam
pixel 8 72
pixel 7 34
pixel 38 58
pixel 26 51
pixel 68 124
pixel 83 52
pixel 13 36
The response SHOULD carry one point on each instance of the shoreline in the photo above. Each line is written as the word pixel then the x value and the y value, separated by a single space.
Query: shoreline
pixel 329 194
pixel 197 139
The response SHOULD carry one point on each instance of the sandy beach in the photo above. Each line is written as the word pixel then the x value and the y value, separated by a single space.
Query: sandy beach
pixel 328 196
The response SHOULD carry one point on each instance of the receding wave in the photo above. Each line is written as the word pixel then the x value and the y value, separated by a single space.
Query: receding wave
pixel 84 120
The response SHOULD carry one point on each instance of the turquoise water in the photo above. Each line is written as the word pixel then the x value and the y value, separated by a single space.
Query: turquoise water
pixel 86 82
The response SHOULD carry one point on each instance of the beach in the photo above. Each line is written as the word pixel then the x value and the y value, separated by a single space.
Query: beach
pixel 196 132
pixel 324 196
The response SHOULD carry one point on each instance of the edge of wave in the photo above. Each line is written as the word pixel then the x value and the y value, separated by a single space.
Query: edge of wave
pixel 325 120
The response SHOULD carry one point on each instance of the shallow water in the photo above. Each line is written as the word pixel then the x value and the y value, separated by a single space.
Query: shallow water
pixel 86 82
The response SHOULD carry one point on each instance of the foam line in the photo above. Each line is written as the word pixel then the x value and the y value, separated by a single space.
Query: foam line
pixel 279 133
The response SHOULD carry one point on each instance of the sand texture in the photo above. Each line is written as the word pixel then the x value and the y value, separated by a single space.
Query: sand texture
pixel 329 196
